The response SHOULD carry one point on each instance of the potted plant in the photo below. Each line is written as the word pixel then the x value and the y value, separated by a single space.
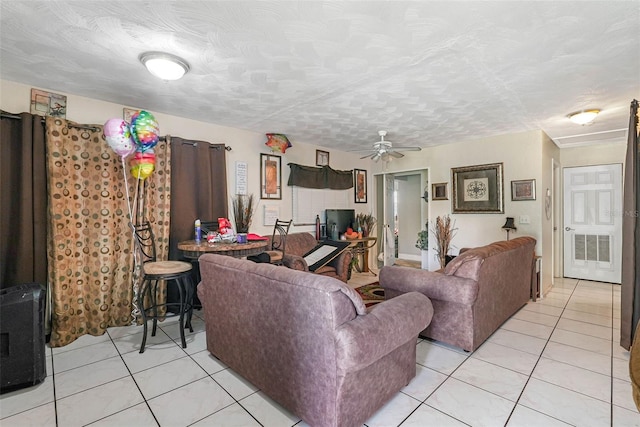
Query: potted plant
pixel 444 231
pixel 423 244
pixel 243 208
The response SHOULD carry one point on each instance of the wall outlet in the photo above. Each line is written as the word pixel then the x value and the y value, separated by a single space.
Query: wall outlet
pixel 524 219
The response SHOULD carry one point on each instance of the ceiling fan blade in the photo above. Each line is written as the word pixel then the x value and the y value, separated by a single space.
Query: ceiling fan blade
pixel 363 150
pixel 406 149
pixel 395 154
pixel 367 156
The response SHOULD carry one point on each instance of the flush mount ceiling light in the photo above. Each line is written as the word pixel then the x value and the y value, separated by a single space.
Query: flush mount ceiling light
pixel 584 117
pixel 164 65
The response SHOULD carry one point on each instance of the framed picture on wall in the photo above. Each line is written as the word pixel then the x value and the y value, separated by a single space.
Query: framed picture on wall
pixel 360 185
pixel 478 189
pixel 439 191
pixel 270 177
pixel 322 158
pixel 524 189
pixel 48 103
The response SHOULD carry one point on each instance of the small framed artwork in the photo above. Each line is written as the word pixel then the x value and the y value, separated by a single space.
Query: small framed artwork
pixel 478 189
pixel 439 191
pixel 48 104
pixel 270 177
pixel 524 189
pixel 322 158
pixel 360 185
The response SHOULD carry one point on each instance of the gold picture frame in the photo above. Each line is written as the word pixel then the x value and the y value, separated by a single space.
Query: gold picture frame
pixel 270 177
pixel 478 189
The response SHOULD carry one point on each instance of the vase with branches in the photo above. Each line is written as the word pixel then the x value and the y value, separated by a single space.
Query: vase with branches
pixel 444 231
pixel 366 222
pixel 243 209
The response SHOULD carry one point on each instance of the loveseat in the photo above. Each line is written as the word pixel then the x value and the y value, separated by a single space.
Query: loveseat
pixel 298 244
pixel 307 340
pixel 474 294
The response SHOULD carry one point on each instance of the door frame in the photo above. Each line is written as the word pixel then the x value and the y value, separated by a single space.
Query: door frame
pixel 380 201
pixel 557 221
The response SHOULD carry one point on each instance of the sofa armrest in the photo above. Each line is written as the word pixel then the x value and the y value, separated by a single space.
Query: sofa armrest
pixel 386 327
pixel 295 262
pixel 435 285
pixel 341 263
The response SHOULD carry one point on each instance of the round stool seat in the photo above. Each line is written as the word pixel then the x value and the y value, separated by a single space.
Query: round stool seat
pixel 166 267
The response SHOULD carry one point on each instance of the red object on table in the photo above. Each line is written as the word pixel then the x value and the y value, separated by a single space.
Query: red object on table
pixel 252 237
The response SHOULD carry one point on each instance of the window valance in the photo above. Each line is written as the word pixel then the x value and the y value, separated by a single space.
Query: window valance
pixel 322 177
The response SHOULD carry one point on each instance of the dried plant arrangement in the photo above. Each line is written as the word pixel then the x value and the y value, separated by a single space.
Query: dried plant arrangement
pixel 243 208
pixel 444 231
pixel 366 222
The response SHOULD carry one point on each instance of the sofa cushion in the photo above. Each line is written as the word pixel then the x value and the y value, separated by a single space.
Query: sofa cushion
pixel 466 265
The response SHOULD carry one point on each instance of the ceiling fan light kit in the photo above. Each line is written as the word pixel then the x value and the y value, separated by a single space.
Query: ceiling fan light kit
pixel 584 117
pixel 384 149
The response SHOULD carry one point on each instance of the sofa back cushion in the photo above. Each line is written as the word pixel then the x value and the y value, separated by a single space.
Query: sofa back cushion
pixel 299 243
pixel 227 270
pixel 468 264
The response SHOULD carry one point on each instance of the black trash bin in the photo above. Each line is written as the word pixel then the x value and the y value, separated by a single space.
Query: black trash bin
pixel 22 336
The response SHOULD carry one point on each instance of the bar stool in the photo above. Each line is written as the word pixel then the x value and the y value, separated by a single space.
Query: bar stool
pixel 275 255
pixel 177 273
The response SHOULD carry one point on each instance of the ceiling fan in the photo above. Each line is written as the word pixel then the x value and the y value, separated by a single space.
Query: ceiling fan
pixel 384 150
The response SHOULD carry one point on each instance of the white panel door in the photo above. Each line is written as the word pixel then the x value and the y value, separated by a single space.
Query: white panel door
pixel 593 222
pixel 389 220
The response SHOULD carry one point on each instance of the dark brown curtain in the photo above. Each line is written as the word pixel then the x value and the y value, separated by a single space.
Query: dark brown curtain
pixel 630 293
pixel 23 196
pixel 322 177
pixel 198 187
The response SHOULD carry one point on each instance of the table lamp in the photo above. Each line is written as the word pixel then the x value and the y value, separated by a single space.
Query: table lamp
pixel 509 226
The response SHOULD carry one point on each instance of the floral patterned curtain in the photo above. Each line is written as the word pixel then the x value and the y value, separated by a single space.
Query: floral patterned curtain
pixel 90 249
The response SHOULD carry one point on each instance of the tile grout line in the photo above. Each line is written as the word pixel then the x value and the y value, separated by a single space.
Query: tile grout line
pixel 538 361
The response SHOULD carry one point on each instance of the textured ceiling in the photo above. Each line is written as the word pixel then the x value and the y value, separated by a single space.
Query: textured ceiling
pixel 333 73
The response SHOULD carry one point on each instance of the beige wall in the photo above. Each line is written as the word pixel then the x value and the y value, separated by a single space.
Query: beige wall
pixel 588 155
pixel 245 145
pixel 521 154
pixel 525 155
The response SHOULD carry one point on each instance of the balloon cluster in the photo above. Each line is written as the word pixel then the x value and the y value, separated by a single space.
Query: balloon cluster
pixel 140 137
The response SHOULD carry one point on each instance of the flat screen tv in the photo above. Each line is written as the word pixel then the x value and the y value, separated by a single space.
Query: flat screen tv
pixel 342 218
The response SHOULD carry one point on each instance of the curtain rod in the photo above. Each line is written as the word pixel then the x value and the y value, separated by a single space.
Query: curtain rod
pixel 69 125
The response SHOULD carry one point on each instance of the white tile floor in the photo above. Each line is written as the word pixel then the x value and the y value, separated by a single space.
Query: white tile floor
pixel 556 362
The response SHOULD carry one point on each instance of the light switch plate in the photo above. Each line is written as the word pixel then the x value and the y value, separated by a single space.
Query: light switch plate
pixel 524 219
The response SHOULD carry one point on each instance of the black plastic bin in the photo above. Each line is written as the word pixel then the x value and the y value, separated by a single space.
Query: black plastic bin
pixel 22 336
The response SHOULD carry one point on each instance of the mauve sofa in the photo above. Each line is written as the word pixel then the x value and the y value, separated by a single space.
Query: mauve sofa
pixel 298 244
pixel 474 294
pixel 307 340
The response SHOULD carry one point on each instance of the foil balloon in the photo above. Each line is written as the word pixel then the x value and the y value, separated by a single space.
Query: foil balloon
pixel 144 130
pixel 277 142
pixel 143 164
pixel 118 136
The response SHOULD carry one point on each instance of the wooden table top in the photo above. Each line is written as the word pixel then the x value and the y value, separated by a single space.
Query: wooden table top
pixel 192 249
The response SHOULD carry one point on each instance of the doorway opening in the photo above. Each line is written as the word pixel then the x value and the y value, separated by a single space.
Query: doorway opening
pixel 404 211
